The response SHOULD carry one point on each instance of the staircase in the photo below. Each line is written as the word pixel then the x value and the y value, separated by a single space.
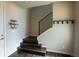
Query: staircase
pixel 31 45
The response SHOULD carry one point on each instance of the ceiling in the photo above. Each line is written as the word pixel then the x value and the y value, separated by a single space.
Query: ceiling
pixel 29 4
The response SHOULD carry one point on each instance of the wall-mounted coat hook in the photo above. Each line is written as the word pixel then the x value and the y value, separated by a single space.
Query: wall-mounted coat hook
pixel 62 22
pixel 72 22
pixel 57 22
pixel 67 21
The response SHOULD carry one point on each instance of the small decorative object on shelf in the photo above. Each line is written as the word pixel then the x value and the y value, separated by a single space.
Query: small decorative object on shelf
pixel 13 24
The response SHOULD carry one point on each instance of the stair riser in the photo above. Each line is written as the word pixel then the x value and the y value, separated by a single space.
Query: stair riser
pixel 25 46
pixel 30 45
pixel 30 42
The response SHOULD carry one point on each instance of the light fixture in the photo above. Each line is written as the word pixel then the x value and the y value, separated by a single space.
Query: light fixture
pixel 13 24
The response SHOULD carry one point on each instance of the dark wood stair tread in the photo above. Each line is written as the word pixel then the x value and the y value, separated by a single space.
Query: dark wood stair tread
pixel 30 37
pixel 34 41
pixel 31 45
pixel 41 50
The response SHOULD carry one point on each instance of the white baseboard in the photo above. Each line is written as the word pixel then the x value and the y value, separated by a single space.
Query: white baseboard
pixel 6 55
pixel 63 52
pixel 51 50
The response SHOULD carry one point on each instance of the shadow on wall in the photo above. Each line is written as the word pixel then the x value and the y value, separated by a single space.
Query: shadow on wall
pixel 37 13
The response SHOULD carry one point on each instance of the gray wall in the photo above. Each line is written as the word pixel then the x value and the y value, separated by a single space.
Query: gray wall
pixel 76 41
pixel 15 36
pixel 37 13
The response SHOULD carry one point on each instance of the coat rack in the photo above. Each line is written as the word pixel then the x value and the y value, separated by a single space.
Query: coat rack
pixel 63 21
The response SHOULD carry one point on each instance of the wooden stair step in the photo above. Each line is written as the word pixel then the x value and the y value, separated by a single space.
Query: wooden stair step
pixel 31 45
pixel 34 41
pixel 31 37
pixel 41 51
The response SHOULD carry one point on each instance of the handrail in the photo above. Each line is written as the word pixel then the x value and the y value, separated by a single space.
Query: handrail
pixel 43 19
pixel 45 16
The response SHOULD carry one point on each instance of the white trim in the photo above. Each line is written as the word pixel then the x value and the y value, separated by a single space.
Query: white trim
pixel 63 52
pixel 51 50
